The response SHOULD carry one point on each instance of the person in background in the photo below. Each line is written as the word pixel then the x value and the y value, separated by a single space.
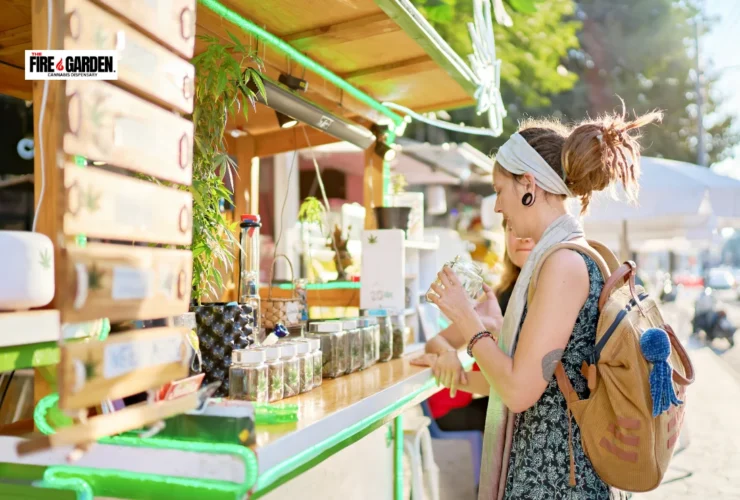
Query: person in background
pixel 457 410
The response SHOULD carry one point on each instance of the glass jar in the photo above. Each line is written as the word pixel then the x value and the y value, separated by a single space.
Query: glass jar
pixel 355 345
pixel 334 347
pixel 368 342
pixel 399 335
pixel 315 346
pixel 469 274
pixel 275 375
pixel 375 338
pixel 385 334
pixel 305 366
pixel 248 375
pixel 291 375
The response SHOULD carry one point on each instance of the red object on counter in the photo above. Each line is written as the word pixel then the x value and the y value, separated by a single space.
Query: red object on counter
pixel 441 403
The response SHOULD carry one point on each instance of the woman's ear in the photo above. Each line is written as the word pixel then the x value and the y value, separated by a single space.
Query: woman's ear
pixel 528 182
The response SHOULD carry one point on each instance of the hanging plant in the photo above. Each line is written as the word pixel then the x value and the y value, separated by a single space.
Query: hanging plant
pixel 223 88
pixel 311 211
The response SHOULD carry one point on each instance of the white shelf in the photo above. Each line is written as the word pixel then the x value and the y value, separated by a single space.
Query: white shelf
pixel 29 327
pixel 422 245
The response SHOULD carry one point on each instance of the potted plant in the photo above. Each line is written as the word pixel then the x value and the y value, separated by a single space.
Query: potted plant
pixel 392 217
pixel 223 88
pixel 310 213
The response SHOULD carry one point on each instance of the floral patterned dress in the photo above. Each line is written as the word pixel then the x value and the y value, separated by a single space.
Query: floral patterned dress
pixel 539 465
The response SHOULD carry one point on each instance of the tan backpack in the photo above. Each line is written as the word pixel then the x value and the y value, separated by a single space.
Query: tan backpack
pixel 628 447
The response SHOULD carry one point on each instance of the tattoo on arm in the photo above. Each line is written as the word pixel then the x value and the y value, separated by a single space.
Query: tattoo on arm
pixel 550 362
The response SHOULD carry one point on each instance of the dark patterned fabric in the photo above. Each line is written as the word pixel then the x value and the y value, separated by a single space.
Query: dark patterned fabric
pixel 539 466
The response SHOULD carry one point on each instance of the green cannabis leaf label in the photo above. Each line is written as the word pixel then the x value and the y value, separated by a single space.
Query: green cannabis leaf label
pixel 91 199
pixel 89 369
pixel 372 239
pixel 95 278
pixel 45 259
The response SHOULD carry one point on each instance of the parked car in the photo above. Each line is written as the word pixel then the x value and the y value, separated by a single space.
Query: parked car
pixel 722 283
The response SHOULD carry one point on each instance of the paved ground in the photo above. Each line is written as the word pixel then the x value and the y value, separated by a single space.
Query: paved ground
pixel 709 465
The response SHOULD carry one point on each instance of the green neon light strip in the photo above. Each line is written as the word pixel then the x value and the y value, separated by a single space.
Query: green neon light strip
pixel 286 469
pixel 398 458
pixel 248 457
pixel 338 285
pixel 53 479
pixel 300 58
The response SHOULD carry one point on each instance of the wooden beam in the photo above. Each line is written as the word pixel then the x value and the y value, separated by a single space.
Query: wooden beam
pixel 290 140
pixel 15 35
pixel 392 70
pixel 373 186
pixel 13 82
pixel 20 47
pixel 356 29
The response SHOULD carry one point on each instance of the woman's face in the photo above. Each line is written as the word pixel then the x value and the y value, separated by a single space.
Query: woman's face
pixel 509 194
pixel 517 248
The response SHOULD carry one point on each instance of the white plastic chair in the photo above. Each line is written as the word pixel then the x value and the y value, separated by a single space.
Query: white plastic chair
pixel 418 446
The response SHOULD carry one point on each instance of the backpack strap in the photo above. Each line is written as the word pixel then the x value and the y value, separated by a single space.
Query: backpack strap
pixel 605 265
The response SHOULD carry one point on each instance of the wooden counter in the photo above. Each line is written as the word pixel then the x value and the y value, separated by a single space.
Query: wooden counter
pixel 331 418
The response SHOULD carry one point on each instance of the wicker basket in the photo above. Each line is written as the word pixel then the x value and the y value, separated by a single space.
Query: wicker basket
pixel 276 310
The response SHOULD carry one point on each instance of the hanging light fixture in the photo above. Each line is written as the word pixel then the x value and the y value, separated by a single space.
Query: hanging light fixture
pixel 287 101
pixel 285 121
pixel 386 151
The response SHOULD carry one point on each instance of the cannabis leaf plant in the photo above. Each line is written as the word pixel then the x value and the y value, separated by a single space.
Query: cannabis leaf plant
pixel 224 86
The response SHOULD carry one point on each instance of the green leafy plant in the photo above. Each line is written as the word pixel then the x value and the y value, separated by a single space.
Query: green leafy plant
pixel 311 211
pixel 223 88
pixel 398 184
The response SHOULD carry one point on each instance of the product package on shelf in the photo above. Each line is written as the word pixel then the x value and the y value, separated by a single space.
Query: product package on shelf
pixel 221 421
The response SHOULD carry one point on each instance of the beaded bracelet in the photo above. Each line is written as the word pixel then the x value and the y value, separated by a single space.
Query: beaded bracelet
pixel 476 338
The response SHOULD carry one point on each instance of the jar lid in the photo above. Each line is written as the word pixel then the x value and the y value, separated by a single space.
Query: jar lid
pixel 287 351
pixel 248 356
pixel 349 324
pixel 273 352
pixel 315 344
pixel 249 220
pixel 302 347
pixel 325 327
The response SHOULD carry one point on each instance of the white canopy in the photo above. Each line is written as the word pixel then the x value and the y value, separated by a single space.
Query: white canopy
pixel 677 201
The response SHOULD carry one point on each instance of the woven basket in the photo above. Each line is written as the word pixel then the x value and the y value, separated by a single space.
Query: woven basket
pixel 276 310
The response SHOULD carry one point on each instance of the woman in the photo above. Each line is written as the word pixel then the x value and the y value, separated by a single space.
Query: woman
pixel 527 445
pixel 459 412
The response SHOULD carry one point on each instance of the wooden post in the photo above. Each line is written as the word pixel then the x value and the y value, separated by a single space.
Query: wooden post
pixel 46 171
pixel 373 190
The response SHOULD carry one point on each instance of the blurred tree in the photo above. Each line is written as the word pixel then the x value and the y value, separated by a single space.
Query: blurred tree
pixel 639 50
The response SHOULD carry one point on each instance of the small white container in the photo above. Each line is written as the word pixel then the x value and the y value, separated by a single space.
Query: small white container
pixel 26 270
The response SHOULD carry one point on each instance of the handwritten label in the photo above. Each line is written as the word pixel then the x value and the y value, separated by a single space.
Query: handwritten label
pixel 130 211
pixel 139 59
pixel 125 357
pixel 130 283
pixel 134 133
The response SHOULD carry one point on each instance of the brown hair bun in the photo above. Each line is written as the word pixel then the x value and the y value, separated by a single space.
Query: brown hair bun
pixel 598 153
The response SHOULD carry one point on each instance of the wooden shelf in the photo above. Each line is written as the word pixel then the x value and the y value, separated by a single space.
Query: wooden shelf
pixel 29 327
pixel 422 245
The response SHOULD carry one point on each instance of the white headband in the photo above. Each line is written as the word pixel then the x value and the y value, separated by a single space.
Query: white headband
pixel 518 157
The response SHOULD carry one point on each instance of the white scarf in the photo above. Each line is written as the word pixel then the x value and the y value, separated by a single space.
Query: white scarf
pixel 518 158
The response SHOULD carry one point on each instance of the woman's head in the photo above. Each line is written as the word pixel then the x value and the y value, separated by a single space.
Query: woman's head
pixel 589 157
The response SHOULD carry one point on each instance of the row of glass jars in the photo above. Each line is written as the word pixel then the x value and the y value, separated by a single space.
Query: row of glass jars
pixel 271 373
pixel 350 345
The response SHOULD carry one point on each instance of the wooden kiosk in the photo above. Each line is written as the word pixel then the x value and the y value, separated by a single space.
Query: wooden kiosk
pixel 106 224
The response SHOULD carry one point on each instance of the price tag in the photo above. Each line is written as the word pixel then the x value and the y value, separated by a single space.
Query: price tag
pixel 123 358
pixel 130 283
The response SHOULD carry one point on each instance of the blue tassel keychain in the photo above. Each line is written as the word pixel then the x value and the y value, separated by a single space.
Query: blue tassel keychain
pixel 280 330
pixel 656 347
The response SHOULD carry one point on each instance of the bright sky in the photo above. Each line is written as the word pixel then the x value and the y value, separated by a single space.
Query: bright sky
pixel 720 50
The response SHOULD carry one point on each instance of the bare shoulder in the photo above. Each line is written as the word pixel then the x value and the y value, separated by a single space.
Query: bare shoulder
pixel 564 270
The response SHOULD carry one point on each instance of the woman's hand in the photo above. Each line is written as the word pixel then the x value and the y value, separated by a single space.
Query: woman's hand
pixel 449 372
pixel 426 359
pixel 451 298
pixel 489 310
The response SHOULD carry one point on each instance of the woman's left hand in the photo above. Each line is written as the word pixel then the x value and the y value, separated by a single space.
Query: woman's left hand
pixel 452 299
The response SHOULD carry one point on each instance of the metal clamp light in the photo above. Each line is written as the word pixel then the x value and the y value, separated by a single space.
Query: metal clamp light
pixel 383 147
pixel 282 99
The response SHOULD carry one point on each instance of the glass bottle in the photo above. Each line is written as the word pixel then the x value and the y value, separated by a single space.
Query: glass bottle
pixel 385 332
pixel 354 337
pixel 292 385
pixel 251 298
pixel 275 375
pixel 248 375
pixel 332 337
pixel 305 366
pixel 315 345
pixel 399 335
pixel 249 261
pixel 368 342
pixel 469 274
